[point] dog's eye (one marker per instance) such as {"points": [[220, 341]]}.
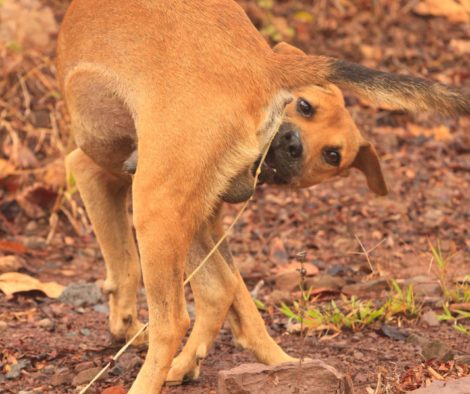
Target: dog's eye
{"points": [[332, 156], [304, 108]]}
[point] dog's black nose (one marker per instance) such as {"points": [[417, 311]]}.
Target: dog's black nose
{"points": [[291, 143]]}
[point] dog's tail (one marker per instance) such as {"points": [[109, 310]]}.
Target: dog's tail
{"points": [[397, 91]]}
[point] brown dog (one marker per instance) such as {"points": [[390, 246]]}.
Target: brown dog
{"points": [[198, 91]]}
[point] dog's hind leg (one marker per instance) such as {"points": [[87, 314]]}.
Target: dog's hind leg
{"points": [[104, 196], [219, 288]]}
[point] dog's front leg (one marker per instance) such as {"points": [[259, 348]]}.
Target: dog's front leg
{"points": [[214, 287]]}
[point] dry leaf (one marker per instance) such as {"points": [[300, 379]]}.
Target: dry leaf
{"points": [[26, 23], [453, 10], [10, 263], [460, 46], [14, 282], [439, 133]]}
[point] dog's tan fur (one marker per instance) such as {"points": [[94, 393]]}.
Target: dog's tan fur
{"points": [[195, 88]]}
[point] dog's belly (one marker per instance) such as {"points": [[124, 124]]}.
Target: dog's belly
{"points": [[102, 124]]}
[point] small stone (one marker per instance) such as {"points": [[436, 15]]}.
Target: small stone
{"points": [[61, 377], [277, 251], [325, 281], [31, 227], [84, 365], [395, 333], [287, 280], [81, 294], [277, 297], [85, 332], [86, 376], [437, 350], [459, 386], [3, 325], [336, 270], [130, 361], [423, 286], [117, 370], [46, 324], [463, 359], [114, 390], [101, 308], [372, 286], [430, 318], [246, 266], [317, 378]]}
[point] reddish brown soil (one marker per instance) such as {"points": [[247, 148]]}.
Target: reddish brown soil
{"points": [[428, 176]]}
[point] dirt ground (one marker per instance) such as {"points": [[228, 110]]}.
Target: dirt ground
{"points": [[45, 343]]}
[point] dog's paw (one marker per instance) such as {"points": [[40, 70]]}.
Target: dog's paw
{"points": [[183, 370]]}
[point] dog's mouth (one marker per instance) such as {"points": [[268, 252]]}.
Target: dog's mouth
{"points": [[270, 174], [285, 157]]}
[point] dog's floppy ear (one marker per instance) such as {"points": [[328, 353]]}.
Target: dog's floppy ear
{"points": [[368, 162], [288, 49]]}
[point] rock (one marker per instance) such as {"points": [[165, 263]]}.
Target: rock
{"points": [[277, 297], [84, 365], [287, 280], [85, 376], [336, 270], [459, 386], [423, 286], [3, 326], [130, 361], [437, 350], [81, 294], [463, 359], [325, 281], [430, 318], [246, 266], [277, 251], [46, 324], [101, 308], [417, 340], [10, 264], [85, 332], [317, 378], [61, 377], [395, 333], [373, 286], [114, 390]]}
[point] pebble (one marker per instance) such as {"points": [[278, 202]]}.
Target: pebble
{"points": [[86, 376], [366, 287], [287, 280], [430, 318], [46, 324], [85, 332], [61, 377], [328, 281], [81, 294], [278, 296], [101, 308]]}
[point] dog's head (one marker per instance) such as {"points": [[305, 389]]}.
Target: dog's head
{"points": [[317, 140]]}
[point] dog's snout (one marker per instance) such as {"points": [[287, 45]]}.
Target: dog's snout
{"points": [[292, 143]]}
